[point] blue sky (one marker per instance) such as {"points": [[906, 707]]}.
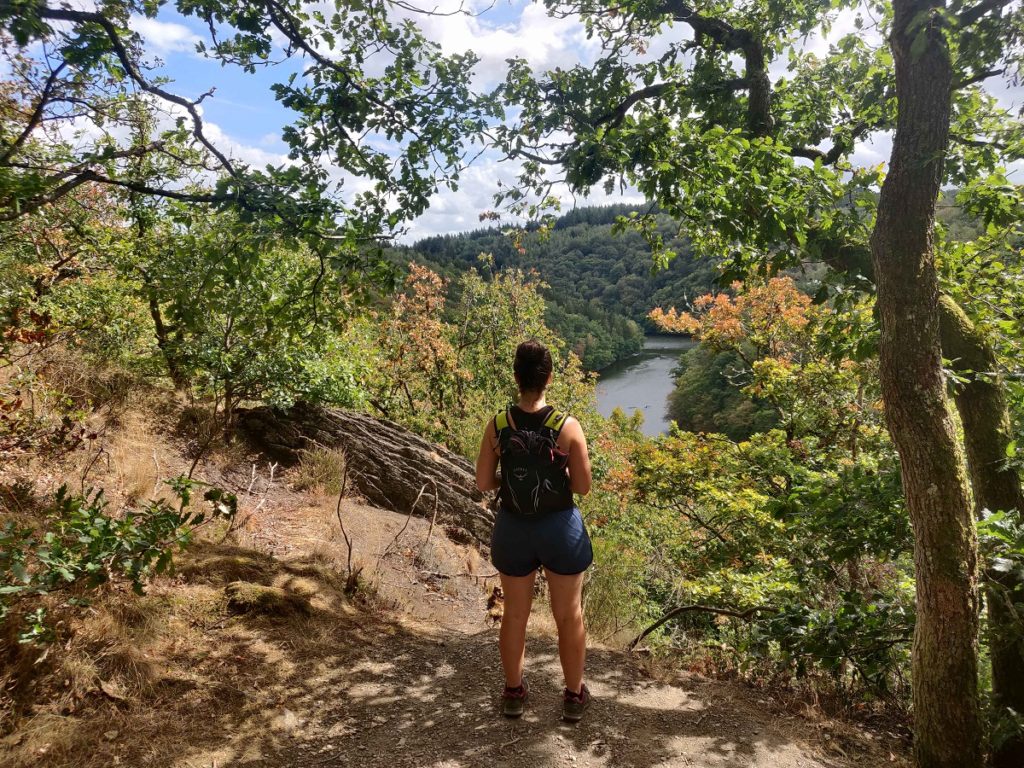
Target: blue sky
{"points": [[244, 118]]}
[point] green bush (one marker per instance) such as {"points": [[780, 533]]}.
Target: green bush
{"points": [[81, 546]]}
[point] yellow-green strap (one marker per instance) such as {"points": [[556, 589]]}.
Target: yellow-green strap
{"points": [[556, 420], [501, 421]]}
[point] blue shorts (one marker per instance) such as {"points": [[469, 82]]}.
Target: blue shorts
{"points": [[558, 541]]}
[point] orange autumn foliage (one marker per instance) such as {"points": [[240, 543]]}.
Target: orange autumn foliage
{"points": [[770, 316]]}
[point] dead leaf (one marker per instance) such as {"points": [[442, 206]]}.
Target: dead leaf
{"points": [[112, 690]]}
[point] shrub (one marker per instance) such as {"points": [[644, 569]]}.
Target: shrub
{"points": [[81, 546]]}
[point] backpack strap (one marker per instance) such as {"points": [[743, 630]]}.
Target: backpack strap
{"points": [[555, 421], [501, 421]]}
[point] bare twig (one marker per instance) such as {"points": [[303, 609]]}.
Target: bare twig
{"points": [[412, 510], [351, 576], [159, 473], [433, 518], [239, 522], [88, 467], [37, 114], [745, 615]]}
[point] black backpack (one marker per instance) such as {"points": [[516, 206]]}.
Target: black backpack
{"points": [[534, 474]]}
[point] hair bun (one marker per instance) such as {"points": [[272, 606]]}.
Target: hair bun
{"points": [[532, 366]]}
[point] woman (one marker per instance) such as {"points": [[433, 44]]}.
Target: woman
{"points": [[538, 525]]}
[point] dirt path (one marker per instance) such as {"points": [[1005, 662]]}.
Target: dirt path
{"points": [[407, 682], [415, 699], [419, 689]]}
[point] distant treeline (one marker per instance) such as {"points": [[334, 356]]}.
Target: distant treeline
{"points": [[600, 285]]}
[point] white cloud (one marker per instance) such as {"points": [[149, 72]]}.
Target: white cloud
{"points": [[270, 139], [875, 149], [257, 157], [459, 210], [543, 41], [164, 37]]}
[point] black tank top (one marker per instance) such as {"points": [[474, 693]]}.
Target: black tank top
{"points": [[534, 420], [530, 419]]}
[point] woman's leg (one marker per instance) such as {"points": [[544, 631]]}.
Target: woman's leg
{"points": [[518, 592], [567, 608]]}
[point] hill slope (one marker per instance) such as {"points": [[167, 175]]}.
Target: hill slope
{"points": [[601, 285], [404, 672]]}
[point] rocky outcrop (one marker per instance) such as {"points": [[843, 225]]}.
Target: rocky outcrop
{"points": [[386, 463]]}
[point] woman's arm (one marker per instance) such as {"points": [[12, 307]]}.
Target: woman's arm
{"points": [[487, 461], [579, 457]]}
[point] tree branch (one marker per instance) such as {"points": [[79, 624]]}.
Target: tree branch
{"points": [[734, 39], [89, 175], [978, 77], [86, 17], [533, 156], [614, 117], [288, 27], [37, 114], [974, 13], [838, 149], [977, 143], [14, 212], [736, 614]]}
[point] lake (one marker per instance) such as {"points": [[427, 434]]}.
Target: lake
{"points": [[643, 382]]}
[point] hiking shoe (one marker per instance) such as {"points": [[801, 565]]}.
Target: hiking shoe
{"points": [[513, 700], [575, 704]]}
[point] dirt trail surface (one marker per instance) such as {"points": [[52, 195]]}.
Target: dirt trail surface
{"points": [[412, 700], [407, 680], [423, 692]]}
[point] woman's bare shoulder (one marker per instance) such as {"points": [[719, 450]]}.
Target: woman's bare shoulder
{"points": [[572, 428], [572, 420]]}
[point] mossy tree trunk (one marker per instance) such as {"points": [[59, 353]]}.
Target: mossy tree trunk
{"points": [[986, 423], [948, 729]]}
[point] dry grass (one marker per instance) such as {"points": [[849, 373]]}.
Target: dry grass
{"points": [[199, 423], [321, 470], [88, 384], [136, 462], [134, 676]]}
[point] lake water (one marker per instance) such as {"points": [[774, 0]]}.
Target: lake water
{"points": [[643, 382]]}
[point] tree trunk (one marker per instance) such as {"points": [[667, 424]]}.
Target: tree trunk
{"points": [[165, 344], [986, 423], [947, 729]]}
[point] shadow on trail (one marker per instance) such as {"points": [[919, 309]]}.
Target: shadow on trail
{"points": [[434, 704], [344, 687], [353, 690]]}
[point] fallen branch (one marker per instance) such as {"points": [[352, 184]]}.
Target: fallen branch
{"points": [[745, 615]]}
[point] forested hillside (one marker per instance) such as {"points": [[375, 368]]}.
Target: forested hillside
{"points": [[600, 284]]}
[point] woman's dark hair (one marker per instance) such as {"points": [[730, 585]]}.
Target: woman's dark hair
{"points": [[532, 365]]}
